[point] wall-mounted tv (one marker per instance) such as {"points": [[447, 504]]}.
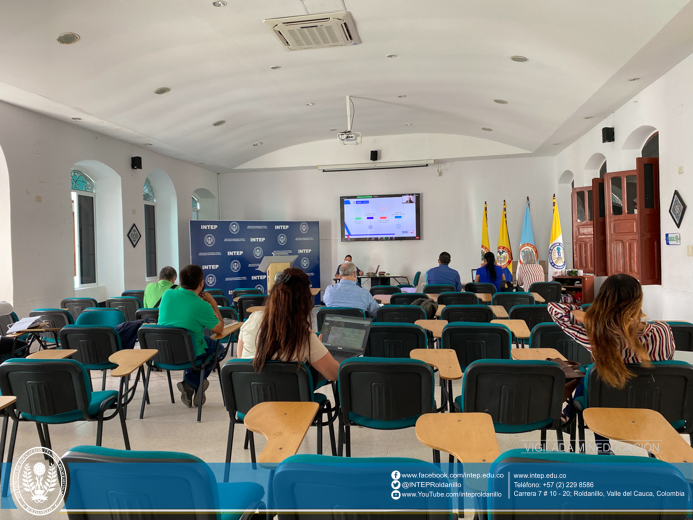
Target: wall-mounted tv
{"points": [[381, 217]]}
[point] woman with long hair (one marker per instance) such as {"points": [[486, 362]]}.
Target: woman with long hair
{"points": [[282, 331], [489, 272]]}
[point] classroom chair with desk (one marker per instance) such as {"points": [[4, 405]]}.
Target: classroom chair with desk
{"points": [[101, 316], [220, 299], [532, 315], [474, 341], [128, 305], [394, 340], [337, 311], [438, 288], [150, 314], [481, 288], [56, 319], [550, 291], [467, 313], [242, 291], [683, 335], [94, 345], [406, 298], [508, 300], [215, 292], [76, 306], [134, 292], [249, 300], [400, 314], [384, 289], [457, 298], [550, 335]]}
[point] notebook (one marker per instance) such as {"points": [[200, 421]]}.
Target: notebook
{"points": [[229, 321], [345, 336]]}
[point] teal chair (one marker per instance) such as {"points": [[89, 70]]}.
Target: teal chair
{"points": [[94, 345], [414, 284], [339, 311], [56, 319], [101, 316], [128, 305], [153, 483], [551, 335], [683, 335], [76, 306], [383, 394], [520, 396]]}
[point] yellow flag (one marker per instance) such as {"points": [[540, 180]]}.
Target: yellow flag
{"points": [[556, 250], [485, 248], [504, 257]]}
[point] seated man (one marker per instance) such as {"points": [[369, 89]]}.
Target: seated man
{"points": [[347, 294], [347, 258], [192, 309], [443, 274], [155, 290]]}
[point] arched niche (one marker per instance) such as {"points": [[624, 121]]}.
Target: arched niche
{"points": [[108, 209], [566, 177], [595, 162], [208, 204], [166, 219], [6, 280], [638, 137]]}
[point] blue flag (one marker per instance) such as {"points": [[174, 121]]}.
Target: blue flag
{"points": [[528, 249]]}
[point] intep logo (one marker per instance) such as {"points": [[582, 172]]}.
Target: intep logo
{"points": [[211, 280], [234, 227], [209, 240], [235, 266], [282, 239]]}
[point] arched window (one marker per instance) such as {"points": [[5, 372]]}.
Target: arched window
{"points": [[149, 228], [195, 208], [83, 226], [602, 170], [651, 147]]}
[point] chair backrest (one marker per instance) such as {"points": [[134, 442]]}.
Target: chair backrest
{"points": [[128, 305], [136, 293], [665, 386], [243, 387], [175, 344], [477, 287], [94, 343], [46, 387], [474, 341], [77, 305], [683, 335], [222, 301], [532, 314], [386, 390], [515, 393], [416, 278], [101, 316], [550, 291], [250, 300], [339, 311], [468, 313], [394, 340], [56, 318], [385, 289], [145, 481], [510, 299], [152, 314], [5, 321], [457, 298], [400, 313], [228, 312], [405, 298], [631, 472], [438, 288], [217, 292], [550, 335], [245, 290]]}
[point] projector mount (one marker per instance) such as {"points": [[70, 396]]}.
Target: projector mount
{"points": [[349, 137]]}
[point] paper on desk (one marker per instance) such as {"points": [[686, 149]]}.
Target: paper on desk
{"points": [[24, 323]]}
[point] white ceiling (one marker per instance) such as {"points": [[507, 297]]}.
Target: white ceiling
{"points": [[454, 60]]}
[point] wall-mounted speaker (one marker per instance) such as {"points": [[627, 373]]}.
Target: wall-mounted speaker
{"points": [[608, 134], [136, 163], [374, 155]]}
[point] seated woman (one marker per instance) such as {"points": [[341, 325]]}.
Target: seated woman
{"points": [[489, 272], [282, 331], [612, 331]]}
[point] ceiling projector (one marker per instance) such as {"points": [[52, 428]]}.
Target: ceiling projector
{"points": [[349, 137]]}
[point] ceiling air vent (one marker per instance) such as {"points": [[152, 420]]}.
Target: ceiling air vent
{"points": [[315, 31]]}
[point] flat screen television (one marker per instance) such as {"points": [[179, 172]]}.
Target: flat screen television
{"points": [[381, 217]]}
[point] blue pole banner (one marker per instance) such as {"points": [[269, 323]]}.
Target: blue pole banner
{"points": [[230, 251]]}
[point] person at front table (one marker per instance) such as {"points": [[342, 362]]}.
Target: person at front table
{"points": [[188, 307], [282, 330], [347, 294], [443, 274], [347, 258], [490, 272]]}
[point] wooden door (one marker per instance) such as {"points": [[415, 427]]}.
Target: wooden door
{"points": [[583, 229], [622, 224], [649, 217], [599, 221]]}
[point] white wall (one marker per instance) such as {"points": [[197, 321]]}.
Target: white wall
{"points": [[663, 106], [39, 152], [451, 214]]}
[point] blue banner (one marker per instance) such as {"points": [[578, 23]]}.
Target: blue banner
{"points": [[230, 252]]}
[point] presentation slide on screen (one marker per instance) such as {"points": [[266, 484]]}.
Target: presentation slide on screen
{"points": [[381, 217]]}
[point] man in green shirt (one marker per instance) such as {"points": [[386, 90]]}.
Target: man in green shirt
{"points": [[155, 290], [192, 309]]}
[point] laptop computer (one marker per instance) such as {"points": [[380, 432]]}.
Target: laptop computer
{"points": [[345, 336], [473, 275]]}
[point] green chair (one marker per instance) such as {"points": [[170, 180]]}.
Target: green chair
{"points": [[101, 316]]}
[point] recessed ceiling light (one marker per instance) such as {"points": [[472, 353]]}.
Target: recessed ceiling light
{"points": [[487, 129], [392, 56], [146, 144], [333, 129], [519, 59], [402, 96], [200, 163], [557, 144], [407, 124], [500, 101], [634, 79], [68, 38], [219, 123], [276, 67], [310, 104], [219, 3], [162, 90], [588, 117], [259, 143], [76, 118]]}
